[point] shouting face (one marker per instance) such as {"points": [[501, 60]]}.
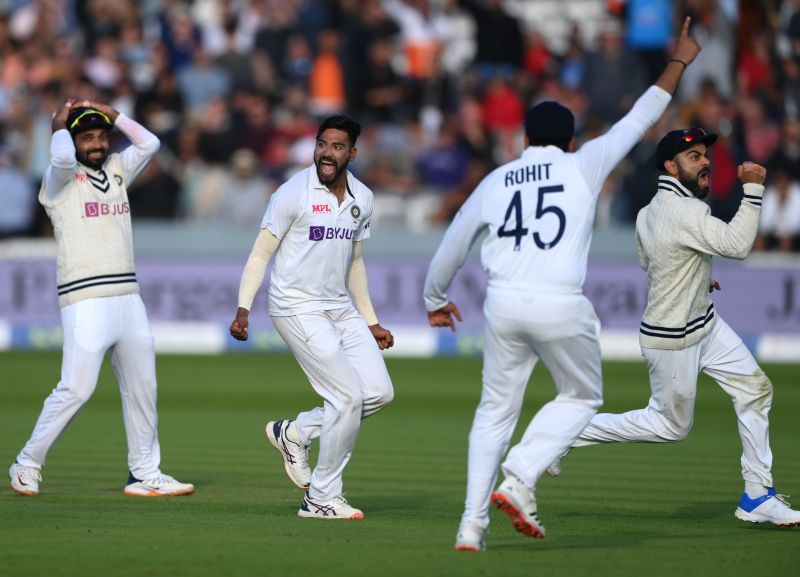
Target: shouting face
{"points": [[91, 147], [332, 155], [693, 170]]}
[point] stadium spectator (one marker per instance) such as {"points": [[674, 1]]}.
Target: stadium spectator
{"points": [[779, 227], [17, 199]]}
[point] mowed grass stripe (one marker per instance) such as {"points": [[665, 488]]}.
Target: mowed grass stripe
{"points": [[616, 510]]}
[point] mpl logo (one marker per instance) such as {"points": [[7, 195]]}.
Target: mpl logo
{"points": [[81, 177], [320, 209]]}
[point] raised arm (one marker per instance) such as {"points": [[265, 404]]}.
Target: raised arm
{"points": [[598, 157], [62, 154]]}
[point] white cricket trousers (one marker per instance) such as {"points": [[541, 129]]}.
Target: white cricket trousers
{"points": [[521, 328], [668, 417], [344, 365], [91, 327]]}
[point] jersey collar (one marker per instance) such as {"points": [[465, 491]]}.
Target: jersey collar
{"points": [[313, 181], [670, 184]]}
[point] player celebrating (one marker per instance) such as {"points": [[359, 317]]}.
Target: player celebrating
{"points": [[84, 192], [314, 224], [682, 334], [538, 213]]}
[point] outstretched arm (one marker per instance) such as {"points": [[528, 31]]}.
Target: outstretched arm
{"points": [[253, 275]]}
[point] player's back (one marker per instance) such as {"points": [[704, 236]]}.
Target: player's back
{"points": [[539, 212]]}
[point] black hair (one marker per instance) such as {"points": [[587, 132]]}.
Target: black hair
{"points": [[343, 123]]}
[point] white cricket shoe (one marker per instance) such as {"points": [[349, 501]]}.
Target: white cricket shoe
{"points": [[25, 480], [471, 537], [518, 502], [159, 486], [554, 470], [771, 508], [283, 436], [336, 508]]}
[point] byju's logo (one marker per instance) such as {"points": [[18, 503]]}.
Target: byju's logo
{"points": [[93, 209], [316, 233]]}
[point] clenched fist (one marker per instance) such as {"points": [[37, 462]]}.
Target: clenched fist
{"points": [[752, 172]]}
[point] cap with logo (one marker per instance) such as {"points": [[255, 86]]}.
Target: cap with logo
{"points": [[82, 119], [677, 141]]}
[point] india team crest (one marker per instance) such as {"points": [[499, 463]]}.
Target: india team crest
{"points": [[355, 211]]}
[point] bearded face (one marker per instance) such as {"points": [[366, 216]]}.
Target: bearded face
{"points": [[694, 170], [91, 147], [332, 154]]}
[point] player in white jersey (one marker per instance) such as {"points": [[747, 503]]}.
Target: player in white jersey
{"points": [[315, 224], [681, 333], [84, 192], [537, 214]]}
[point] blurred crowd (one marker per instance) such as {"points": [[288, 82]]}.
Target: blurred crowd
{"points": [[235, 90]]}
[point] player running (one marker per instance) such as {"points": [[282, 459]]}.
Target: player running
{"points": [[84, 192], [314, 225], [681, 332], [538, 214]]}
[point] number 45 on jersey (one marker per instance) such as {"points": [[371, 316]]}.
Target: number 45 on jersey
{"points": [[514, 211]]}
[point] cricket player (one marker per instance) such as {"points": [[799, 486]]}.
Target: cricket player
{"points": [[681, 332], [84, 192], [314, 225], [537, 214]]}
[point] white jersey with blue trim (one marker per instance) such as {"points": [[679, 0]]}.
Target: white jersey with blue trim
{"points": [[316, 242], [538, 212]]}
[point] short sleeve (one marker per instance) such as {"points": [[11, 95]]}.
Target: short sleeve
{"points": [[364, 227], [281, 212]]}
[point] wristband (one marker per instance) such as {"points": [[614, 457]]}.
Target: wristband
{"points": [[679, 61]]}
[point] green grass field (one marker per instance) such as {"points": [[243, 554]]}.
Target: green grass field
{"points": [[623, 510]]}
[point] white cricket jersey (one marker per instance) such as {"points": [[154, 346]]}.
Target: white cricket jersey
{"points": [[538, 212], [317, 234], [91, 215], [675, 239]]}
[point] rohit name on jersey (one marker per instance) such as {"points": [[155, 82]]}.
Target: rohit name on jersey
{"points": [[93, 209], [530, 173]]}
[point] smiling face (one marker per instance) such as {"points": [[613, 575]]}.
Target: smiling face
{"points": [[91, 147], [693, 169], [332, 154]]}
